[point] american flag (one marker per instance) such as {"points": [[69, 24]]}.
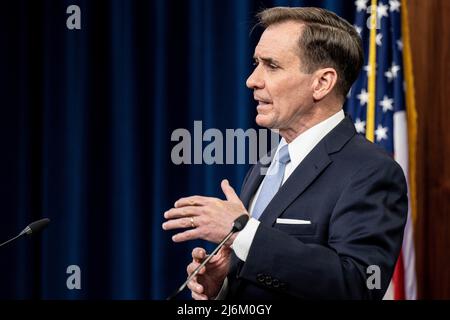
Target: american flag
{"points": [[386, 124]]}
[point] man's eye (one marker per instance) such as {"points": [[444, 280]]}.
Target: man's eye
{"points": [[272, 66], [255, 63]]}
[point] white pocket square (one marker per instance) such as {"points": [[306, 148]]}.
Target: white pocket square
{"points": [[292, 221]]}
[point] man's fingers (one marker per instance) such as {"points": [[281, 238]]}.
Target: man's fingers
{"points": [[188, 211], [191, 234], [192, 266], [191, 201], [202, 271], [198, 253], [181, 223], [195, 286], [196, 290], [229, 192], [215, 258], [197, 296]]}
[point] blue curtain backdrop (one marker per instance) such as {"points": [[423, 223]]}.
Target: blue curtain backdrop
{"points": [[86, 120]]}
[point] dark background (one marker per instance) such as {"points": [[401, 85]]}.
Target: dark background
{"points": [[85, 126]]}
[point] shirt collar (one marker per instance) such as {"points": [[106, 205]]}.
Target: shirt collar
{"points": [[305, 142]]}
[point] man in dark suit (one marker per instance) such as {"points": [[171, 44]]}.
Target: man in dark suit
{"points": [[327, 218]]}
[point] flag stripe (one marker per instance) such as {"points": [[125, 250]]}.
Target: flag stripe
{"points": [[398, 279], [404, 276]]}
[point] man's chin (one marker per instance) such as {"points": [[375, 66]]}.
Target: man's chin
{"points": [[264, 121]]}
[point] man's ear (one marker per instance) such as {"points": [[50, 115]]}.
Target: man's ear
{"points": [[324, 82]]}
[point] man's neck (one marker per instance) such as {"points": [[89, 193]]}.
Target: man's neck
{"points": [[291, 133]]}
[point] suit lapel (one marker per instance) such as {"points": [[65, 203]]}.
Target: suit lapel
{"points": [[307, 171]]}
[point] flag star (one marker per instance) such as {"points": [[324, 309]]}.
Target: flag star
{"points": [[400, 45], [388, 74], [392, 72], [360, 126], [386, 103], [378, 39], [368, 69], [358, 29], [381, 133], [382, 11], [394, 5], [363, 97], [395, 69], [361, 5]]}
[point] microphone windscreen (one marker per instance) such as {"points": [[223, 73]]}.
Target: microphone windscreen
{"points": [[240, 223], [39, 225]]}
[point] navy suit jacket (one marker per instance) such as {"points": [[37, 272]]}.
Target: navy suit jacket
{"points": [[355, 196]]}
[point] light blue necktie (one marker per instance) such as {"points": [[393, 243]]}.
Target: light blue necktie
{"points": [[272, 181]]}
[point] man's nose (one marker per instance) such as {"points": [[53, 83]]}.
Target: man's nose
{"points": [[255, 80]]}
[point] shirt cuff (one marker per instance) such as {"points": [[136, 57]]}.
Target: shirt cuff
{"points": [[241, 245]]}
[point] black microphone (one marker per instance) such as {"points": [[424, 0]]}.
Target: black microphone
{"points": [[238, 225], [32, 228]]}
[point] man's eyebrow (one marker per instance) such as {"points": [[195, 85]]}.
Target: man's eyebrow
{"points": [[267, 60]]}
